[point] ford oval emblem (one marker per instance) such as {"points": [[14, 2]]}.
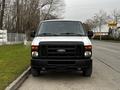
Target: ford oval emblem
{"points": [[61, 50]]}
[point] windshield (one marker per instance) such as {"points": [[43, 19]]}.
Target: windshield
{"points": [[59, 28]]}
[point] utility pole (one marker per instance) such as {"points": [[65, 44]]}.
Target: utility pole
{"points": [[18, 19], [100, 24], [2, 14]]}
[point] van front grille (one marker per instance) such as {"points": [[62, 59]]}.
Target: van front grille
{"points": [[61, 50]]}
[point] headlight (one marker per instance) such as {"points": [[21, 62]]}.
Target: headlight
{"points": [[88, 53], [34, 54], [34, 50]]}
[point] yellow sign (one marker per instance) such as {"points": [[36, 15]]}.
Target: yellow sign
{"points": [[112, 24]]}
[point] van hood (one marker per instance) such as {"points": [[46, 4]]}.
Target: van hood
{"points": [[83, 39]]}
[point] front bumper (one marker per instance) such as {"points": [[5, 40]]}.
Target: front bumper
{"points": [[52, 64]]}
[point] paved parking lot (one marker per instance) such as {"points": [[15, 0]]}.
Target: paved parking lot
{"points": [[106, 73]]}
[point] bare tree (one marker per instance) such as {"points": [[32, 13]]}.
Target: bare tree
{"points": [[99, 19], [23, 16], [52, 7], [2, 13], [90, 24], [116, 15]]}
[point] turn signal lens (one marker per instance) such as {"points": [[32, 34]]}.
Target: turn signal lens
{"points": [[88, 47], [34, 48]]}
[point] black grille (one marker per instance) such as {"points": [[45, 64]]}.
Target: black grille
{"points": [[61, 62], [66, 50]]}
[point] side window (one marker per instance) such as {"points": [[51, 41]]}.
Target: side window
{"points": [[84, 28], [38, 29]]}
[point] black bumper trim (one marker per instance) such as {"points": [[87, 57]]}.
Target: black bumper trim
{"points": [[40, 63]]}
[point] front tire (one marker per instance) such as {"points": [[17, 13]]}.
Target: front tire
{"points": [[88, 71], [35, 72]]}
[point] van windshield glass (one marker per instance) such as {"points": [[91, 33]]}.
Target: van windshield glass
{"points": [[59, 28]]}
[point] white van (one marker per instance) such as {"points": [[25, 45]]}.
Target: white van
{"points": [[61, 45]]}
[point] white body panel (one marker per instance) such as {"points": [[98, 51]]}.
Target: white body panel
{"points": [[83, 39]]}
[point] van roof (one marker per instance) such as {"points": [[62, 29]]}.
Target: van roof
{"points": [[55, 20]]}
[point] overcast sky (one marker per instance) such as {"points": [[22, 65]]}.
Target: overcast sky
{"points": [[84, 9]]}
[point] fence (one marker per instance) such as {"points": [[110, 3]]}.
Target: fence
{"points": [[11, 38], [3, 36], [15, 37]]}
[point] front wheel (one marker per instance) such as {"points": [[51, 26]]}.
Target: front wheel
{"points": [[35, 72], [88, 71]]}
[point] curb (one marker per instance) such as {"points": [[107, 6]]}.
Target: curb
{"points": [[16, 84]]}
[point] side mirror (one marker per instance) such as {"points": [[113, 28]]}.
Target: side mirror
{"points": [[32, 34], [90, 34]]}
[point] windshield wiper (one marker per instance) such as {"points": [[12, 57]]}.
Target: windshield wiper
{"points": [[47, 34], [73, 34]]}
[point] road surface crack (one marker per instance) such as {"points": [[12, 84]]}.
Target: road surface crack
{"points": [[107, 65]]}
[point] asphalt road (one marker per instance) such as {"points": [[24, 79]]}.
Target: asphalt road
{"points": [[106, 73]]}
